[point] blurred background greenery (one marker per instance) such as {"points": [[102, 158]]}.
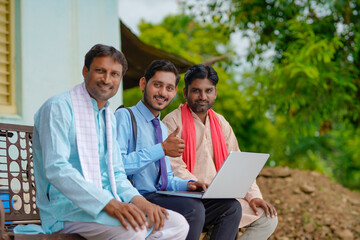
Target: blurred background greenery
{"points": [[297, 95]]}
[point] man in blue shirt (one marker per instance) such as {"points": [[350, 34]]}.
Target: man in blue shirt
{"points": [[80, 179], [148, 165]]}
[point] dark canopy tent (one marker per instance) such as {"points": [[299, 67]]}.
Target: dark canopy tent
{"points": [[139, 55]]}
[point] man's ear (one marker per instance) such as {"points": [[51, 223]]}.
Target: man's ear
{"points": [[185, 93], [142, 83], [85, 71]]}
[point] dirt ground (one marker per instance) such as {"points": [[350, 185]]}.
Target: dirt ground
{"points": [[310, 205]]}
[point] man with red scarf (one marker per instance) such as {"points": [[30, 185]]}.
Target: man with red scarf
{"points": [[208, 138]]}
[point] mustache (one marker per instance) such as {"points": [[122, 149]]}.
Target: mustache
{"points": [[202, 101], [100, 84], [160, 96]]}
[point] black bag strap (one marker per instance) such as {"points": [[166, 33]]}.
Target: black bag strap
{"points": [[134, 126], [133, 123]]}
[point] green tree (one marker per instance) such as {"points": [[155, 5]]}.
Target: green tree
{"points": [[198, 41], [315, 47], [311, 88]]}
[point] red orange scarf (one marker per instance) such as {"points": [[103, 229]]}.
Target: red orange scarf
{"points": [[189, 136]]}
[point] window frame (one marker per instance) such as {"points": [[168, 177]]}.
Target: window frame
{"points": [[9, 107]]}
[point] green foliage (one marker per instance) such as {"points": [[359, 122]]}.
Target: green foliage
{"points": [[303, 107], [190, 39], [132, 96], [184, 36], [311, 90]]}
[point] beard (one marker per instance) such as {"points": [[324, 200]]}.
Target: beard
{"points": [[98, 93], [150, 101], [200, 106]]}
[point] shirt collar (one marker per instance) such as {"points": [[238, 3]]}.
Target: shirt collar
{"points": [[147, 114], [95, 106]]}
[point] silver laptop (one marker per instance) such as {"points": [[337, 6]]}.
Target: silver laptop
{"points": [[234, 178]]}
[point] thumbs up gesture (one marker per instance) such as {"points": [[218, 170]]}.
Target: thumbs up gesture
{"points": [[173, 146]]}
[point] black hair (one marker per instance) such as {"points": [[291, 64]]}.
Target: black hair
{"points": [[200, 71], [100, 50], [161, 65]]}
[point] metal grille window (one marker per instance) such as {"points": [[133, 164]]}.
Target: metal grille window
{"points": [[7, 57]]}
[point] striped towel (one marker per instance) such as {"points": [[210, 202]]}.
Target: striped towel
{"points": [[86, 138]]}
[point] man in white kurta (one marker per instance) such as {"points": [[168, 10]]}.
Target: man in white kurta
{"points": [[200, 93]]}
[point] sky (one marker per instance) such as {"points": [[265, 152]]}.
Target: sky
{"points": [[132, 11]]}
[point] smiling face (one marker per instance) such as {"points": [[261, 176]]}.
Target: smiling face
{"points": [[103, 78], [158, 91], [200, 96]]}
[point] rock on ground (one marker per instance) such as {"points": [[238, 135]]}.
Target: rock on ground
{"points": [[310, 205]]}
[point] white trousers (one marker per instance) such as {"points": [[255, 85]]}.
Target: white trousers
{"points": [[261, 229], [175, 228]]}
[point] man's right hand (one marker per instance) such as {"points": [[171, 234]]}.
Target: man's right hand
{"points": [[173, 146], [126, 213], [156, 215], [197, 186]]}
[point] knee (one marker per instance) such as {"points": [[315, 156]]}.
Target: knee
{"points": [[268, 224], [178, 221], [271, 224], [235, 207], [198, 211], [184, 226]]}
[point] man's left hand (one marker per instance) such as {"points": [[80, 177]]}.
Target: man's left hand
{"points": [[156, 215], [268, 208]]}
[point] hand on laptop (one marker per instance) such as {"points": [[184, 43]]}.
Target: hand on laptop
{"points": [[197, 186]]}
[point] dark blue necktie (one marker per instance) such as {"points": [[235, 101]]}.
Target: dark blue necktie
{"points": [[162, 171]]}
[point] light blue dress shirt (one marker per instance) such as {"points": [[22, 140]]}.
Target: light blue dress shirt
{"points": [[62, 192], [142, 165]]}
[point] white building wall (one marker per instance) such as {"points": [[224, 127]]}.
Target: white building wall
{"points": [[54, 38]]}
